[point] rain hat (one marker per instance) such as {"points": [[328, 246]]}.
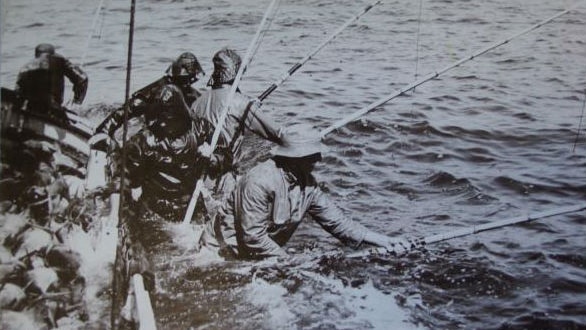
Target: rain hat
{"points": [[226, 65], [44, 49], [298, 141], [186, 65]]}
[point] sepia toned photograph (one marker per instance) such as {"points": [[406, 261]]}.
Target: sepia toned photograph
{"points": [[292, 164]]}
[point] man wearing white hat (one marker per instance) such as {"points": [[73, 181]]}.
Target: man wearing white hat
{"points": [[270, 201]]}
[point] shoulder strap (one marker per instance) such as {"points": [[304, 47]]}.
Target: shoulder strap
{"points": [[241, 125]]}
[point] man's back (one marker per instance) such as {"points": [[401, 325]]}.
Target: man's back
{"points": [[41, 82]]}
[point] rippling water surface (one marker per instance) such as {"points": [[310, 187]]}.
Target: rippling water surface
{"points": [[492, 139]]}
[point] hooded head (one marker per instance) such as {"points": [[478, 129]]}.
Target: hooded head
{"points": [[226, 65], [185, 70], [168, 116]]}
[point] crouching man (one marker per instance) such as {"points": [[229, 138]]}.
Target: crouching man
{"points": [[270, 201]]}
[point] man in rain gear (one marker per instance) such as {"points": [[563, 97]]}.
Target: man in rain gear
{"points": [[244, 114], [182, 73], [270, 201], [40, 84], [161, 157]]}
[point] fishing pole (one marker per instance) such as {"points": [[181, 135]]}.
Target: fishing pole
{"points": [[344, 121], [409, 245], [247, 58], [115, 284]]}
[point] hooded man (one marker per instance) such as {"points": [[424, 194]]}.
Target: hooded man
{"points": [[182, 73], [244, 114], [271, 200], [161, 157], [40, 84]]}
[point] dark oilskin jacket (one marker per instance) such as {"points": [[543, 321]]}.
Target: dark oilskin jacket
{"points": [[141, 102], [41, 83], [162, 157]]}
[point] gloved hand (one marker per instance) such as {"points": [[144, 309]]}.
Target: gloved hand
{"points": [[100, 141], [136, 193], [75, 107], [255, 105], [205, 150], [398, 245]]}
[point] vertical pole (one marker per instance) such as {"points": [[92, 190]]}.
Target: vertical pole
{"points": [[121, 224]]}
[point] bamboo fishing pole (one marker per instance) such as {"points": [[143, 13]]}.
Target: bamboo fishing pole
{"points": [[344, 121], [420, 242], [247, 58]]}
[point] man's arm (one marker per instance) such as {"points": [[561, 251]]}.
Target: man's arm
{"points": [[78, 78], [332, 219]]}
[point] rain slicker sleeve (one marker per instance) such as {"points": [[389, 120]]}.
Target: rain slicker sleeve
{"points": [[138, 103], [78, 78], [334, 221]]}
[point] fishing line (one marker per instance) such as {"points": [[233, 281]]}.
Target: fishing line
{"points": [[416, 63], [580, 123], [270, 21], [357, 114], [91, 34], [286, 75], [417, 41]]}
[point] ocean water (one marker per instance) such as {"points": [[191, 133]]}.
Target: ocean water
{"points": [[498, 137]]}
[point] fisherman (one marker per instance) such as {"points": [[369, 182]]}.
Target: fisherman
{"points": [[182, 73], [40, 83], [161, 157], [244, 113], [270, 201]]}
